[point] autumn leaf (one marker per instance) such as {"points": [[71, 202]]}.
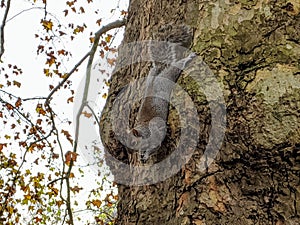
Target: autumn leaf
{"points": [[40, 49], [47, 24], [39, 121], [7, 136], [16, 83], [67, 135], [51, 60], [97, 203], [86, 114], [104, 96], [99, 22], [124, 13], [38, 220], [54, 191], [78, 29], [76, 189], [70, 4], [18, 103], [108, 38], [40, 110], [47, 73], [2, 146], [9, 106], [107, 83], [59, 203], [102, 54], [81, 10], [111, 61], [61, 52], [71, 99], [55, 156], [70, 156]]}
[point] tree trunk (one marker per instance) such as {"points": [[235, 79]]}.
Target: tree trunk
{"points": [[253, 49]]}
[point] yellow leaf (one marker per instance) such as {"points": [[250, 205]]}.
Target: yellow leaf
{"points": [[47, 24], [96, 203], [40, 110], [28, 197], [51, 60], [7, 136], [16, 83], [59, 203], [108, 38]]}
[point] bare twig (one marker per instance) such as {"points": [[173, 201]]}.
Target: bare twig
{"points": [[2, 28], [23, 99], [48, 99], [91, 54], [23, 11]]}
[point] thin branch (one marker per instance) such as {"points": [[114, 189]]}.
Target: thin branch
{"points": [[2, 28], [90, 54], [33, 98], [23, 99], [48, 99], [94, 114], [54, 181], [23, 11]]}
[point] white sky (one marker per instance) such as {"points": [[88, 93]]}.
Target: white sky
{"points": [[21, 47]]}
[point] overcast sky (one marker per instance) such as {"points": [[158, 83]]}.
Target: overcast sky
{"points": [[21, 47]]}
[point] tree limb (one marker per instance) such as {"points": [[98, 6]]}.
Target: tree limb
{"points": [[2, 28], [90, 54]]}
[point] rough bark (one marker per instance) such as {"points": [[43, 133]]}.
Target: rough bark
{"points": [[253, 49]]}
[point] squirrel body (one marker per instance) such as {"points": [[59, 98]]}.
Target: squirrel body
{"points": [[168, 63]]}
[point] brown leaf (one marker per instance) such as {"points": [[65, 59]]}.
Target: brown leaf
{"points": [[96, 202], [2, 146], [18, 103], [71, 99], [70, 157], [68, 136], [99, 21], [16, 83], [9, 106], [82, 10], [86, 114], [76, 189], [111, 61]]}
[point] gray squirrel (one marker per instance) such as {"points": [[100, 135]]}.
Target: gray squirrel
{"points": [[168, 61]]}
